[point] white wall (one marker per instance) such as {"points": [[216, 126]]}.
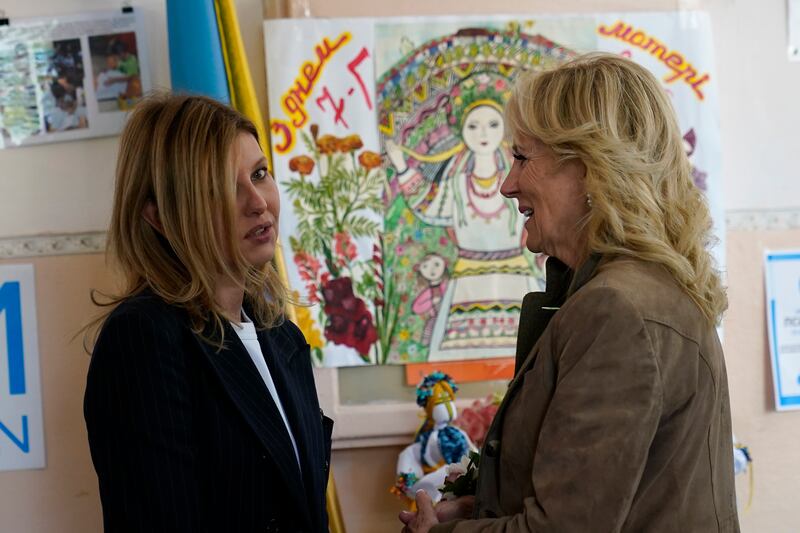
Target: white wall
{"points": [[759, 104]]}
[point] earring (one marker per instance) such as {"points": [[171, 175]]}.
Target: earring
{"points": [[589, 199]]}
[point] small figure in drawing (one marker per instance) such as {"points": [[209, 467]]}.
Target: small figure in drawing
{"points": [[433, 272]]}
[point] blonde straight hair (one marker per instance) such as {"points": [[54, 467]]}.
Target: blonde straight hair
{"points": [[177, 152], [614, 116]]}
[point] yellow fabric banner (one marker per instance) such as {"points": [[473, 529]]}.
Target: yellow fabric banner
{"points": [[240, 82], [243, 97]]}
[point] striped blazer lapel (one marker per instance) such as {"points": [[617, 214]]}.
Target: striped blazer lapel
{"points": [[297, 390], [246, 388]]}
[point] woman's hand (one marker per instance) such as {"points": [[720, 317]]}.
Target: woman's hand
{"points": [[395, 155], [459, 508], [428, 516], [424, 519]]}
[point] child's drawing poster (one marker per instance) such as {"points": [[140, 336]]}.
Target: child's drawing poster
{"points": [[69, 77], [389, 148]]}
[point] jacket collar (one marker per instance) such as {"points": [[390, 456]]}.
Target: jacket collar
{"points": [[539, 307], [584, 273]]}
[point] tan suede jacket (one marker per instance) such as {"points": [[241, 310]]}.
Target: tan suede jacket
{"points": [[618, 417]]}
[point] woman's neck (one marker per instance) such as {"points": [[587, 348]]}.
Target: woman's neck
{"points": [[229, 295], [485, 165]]}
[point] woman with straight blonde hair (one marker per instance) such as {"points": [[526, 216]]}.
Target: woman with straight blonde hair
{"points": [[200, 401], [618, 417]]}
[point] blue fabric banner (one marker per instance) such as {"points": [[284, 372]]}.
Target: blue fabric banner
{"points": [[195, 54]]}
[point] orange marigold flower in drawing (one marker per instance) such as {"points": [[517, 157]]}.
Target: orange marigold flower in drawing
{"points": [[351, 143], [369, 160], [328, 144], [302, 164]]}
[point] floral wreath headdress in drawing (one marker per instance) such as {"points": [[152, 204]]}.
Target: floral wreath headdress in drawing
{"points": [[483, 88]]}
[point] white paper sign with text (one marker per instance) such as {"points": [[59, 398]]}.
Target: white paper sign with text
{"points": [[782, 271], [21, 426]]}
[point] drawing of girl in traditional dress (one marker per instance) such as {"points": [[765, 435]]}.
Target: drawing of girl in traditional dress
{"points": [[433, 271], [479, 311]]}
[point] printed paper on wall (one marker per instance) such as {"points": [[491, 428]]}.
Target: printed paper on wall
{"points": [[66, 78]]}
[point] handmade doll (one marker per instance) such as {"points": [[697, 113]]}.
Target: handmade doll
{"points": [[423, 464]]}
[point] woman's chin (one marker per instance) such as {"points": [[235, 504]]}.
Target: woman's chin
{"points": [[258, 259], [533, 246]]}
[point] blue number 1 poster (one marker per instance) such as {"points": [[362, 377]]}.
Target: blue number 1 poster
{"points": [[21, 433]]}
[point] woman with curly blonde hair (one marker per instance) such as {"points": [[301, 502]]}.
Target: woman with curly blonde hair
{"points": [[618, 417], [200, 402]]}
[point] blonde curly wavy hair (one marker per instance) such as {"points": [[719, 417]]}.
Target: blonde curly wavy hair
{"points": [[613, 115]]}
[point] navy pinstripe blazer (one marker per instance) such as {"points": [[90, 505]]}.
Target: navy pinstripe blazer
{"points": [[185, 438]]}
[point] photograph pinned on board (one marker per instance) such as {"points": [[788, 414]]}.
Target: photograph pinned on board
{"points": [[53, 71], [115, 63], [60, 75], [19, 111], [57, 72]]}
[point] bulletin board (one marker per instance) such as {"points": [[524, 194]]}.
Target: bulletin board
{"points": [[70, 77]]}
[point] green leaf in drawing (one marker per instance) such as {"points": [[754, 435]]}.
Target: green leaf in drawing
{"points": [[294, 244], [311, 146], [360, 226]]}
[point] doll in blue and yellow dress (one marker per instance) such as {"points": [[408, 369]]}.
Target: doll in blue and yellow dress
{"points": [[437, 443]]}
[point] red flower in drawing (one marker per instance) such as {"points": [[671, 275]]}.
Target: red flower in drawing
{"points": [[349, 320], [308, 267], [345, 249]]}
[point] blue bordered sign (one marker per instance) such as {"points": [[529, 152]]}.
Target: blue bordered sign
{"points": [[782, 270], [21, 433]]}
